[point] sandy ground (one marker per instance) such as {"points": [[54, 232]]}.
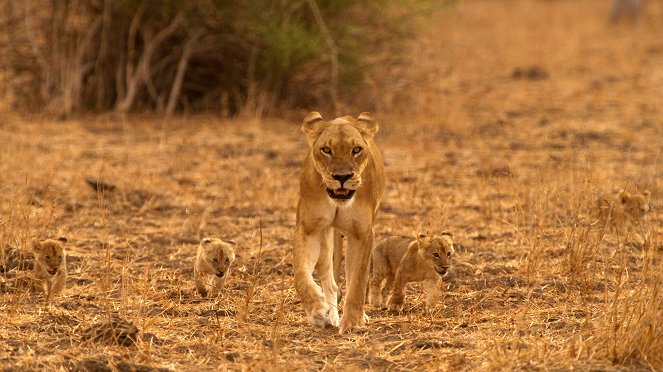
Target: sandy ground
{"points": [[508, 122]]}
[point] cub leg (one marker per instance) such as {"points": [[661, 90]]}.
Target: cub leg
{"points": [[432, 289], [200, 283], [395, 302], [380, 271]]}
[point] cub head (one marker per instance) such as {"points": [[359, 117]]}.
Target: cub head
{"points": [[219, 255], [635, 205], [437, 251], [340, 151], [49, 253]]}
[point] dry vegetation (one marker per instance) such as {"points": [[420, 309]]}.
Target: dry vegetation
{"points": [[515, 117]]}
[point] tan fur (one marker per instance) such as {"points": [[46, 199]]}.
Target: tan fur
{"points": [[213, 260], [50, 268], [622, 210], [341, 147], [400, 260]]}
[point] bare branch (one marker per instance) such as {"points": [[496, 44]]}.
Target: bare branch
{"points": [[142, 75], [36, 51], [333, 50], [181, 70]]}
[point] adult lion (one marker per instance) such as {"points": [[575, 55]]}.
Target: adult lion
{"points": [[341, 185]]}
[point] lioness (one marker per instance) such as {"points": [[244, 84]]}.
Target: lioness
{"points": [[213, 259], [50, 267], [341, 185], [622, 209], [401, 260]]}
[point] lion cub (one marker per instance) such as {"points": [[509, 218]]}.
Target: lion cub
{"points": [[50, 267], [401, 260], [214, 258], [622, 208]]}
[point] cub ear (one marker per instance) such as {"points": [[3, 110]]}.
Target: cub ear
{"points": [[205, 241], [36, 244], [647, 194], [232, 242], [309, 125], [367, 123], [62, 239], [625, 196], [447, 233]]}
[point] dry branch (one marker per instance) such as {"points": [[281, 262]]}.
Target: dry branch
{"points": [[333, 50]]}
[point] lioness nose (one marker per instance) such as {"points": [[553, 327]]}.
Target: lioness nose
{"points": [[342, 177]]}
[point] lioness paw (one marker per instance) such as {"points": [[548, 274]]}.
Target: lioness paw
{"points": [[395, 304], [352, 320], [334, 319], [319, 315]]}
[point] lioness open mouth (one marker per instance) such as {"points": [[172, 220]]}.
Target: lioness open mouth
{"points": [[340, 193]]}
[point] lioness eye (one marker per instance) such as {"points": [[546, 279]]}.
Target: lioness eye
{"points": [[356, 150], [436, 255], [326, 150]]}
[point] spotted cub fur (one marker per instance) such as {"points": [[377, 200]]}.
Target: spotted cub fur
{"points": [[213, 260], [400, 260], [50, 267]]}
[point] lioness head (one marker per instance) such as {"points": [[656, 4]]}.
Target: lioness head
{"points": [[340, 151], [49, 254], [218, 255], [635, 205], [437, 251]]}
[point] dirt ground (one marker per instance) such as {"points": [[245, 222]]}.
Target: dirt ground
{"points": [[504, 127]]}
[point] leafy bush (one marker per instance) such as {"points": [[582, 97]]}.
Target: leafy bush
{"points": [[170, 55]]}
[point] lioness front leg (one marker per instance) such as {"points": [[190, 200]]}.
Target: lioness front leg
{"points": [[327, 278], [306, 250], [357, 255], [338, 261]]}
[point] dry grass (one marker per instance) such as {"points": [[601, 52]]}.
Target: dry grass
{"points": [[512, 165]]}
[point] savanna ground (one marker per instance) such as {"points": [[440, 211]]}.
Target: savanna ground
{"points": [[508, 122]]}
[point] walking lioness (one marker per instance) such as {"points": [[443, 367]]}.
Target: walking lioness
{"points": [[341, 185]]}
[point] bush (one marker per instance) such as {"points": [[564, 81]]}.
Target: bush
{"points": [[169, 55]]}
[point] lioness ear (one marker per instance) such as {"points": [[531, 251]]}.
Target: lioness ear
{"points": [[647, 194], [205, 241], [367, 123], [62, 239], [449, 234], [309, 124]]}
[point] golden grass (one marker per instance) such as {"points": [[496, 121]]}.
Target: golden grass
{"points": [[511, 166]]}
